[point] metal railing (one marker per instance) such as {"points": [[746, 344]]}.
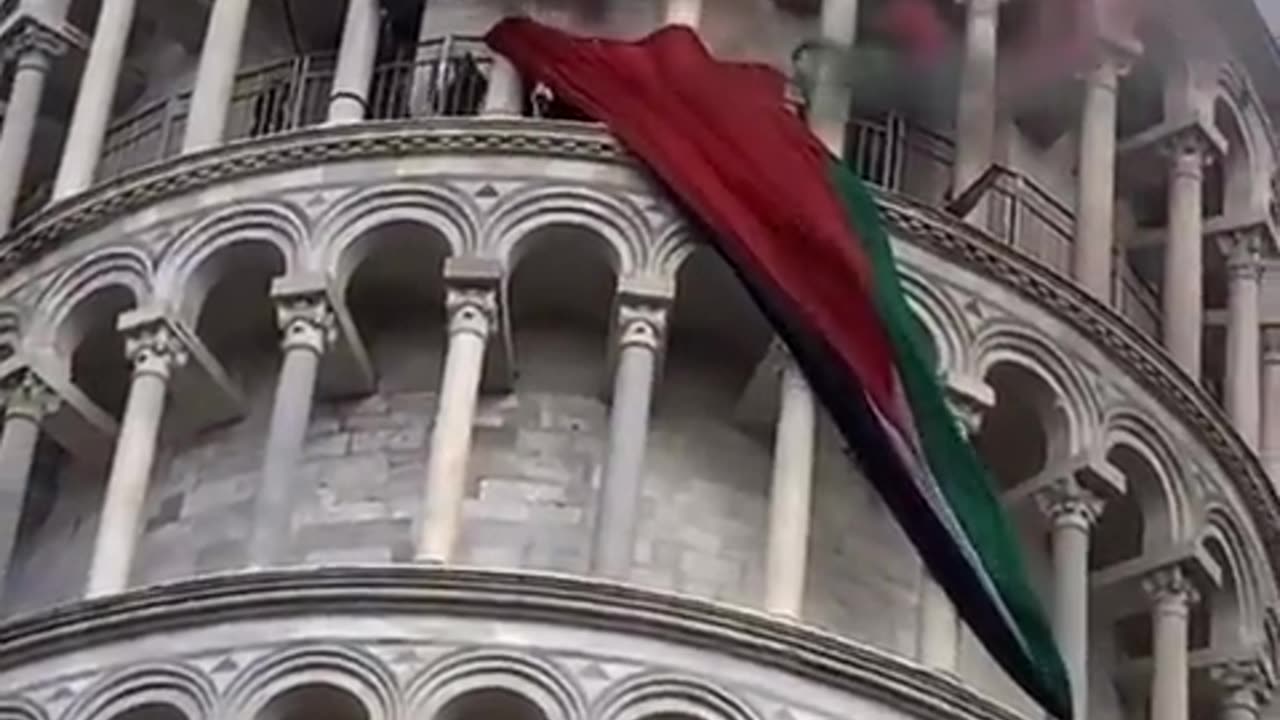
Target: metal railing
{"points": [[1019, 211], [444, 76]]}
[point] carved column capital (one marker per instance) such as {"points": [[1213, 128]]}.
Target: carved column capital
{"points": [[32, 42], [1243, 683], [642, 325], [1242, 248], [471, 310], [306, 320], [1170, 590], [1188, 152], [24, 394], [1066, 503], [154, 349]]}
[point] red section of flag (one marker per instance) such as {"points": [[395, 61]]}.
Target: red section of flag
{"points": [[916, 26], [771, 207]]}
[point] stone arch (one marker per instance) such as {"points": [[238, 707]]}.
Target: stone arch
{"points": [[942, 319], [448, 212], [456, 675], [189, 267], [617, 222], [20, 708], [63, 306], [1156, 493], [1236, 90], [349, 669], [660, 695], [673, 247], [1006, 342], [176, 685], [1236, 605], [1232, 179]]}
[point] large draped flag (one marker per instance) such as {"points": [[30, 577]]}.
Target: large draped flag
{"points": [[806, 239]]}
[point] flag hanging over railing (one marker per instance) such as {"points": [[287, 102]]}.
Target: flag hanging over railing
{"points": [[808, 243]]}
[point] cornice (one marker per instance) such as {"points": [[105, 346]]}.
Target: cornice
{"points": [[503, 596], [59, 223]]}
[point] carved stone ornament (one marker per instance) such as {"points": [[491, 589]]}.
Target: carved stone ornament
{"points": [[1066, 502], [642, 325], [154, 349], [25, 394], [31, 36], [472, 310], [1170, 590], [306, 321]]}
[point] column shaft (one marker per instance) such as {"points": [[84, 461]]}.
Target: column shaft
{"points": [[684, 12], [216, 74], [471, 320], [790, 503], [505, 96], [17, 452], [1072, 519], [1270, 435], [1172, 595], [1093, 243], [621, 490], [1244, 352], [830, 96], [83, 148], [121, 518], [19, 126], [307, 327], [356, 57], [976, 111], [1182, 293]]}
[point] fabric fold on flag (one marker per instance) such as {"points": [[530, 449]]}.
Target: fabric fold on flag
{"points": [[806, 239]]}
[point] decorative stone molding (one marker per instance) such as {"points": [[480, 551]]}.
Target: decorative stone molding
{"points": [[422, 591], [643, 325], [26, 36], [306, 321], [24, 393], [1170, 590], [154, 348], [1068, 503], [471, 310], [537, 680]]}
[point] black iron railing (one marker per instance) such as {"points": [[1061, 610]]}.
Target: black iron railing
{"points": [[444, 76], [897, 156]]}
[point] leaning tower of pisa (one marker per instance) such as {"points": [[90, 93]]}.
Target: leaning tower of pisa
{"points": [[340, 381]]}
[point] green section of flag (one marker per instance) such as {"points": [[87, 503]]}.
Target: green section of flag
{"points": [[952, 460]]}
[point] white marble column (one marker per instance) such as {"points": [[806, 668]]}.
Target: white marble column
{"points": [[641, 329], [216, 74], [31, 51], [1243, 689], [1093, 244], [83, 148], [349, 102], [790, 498], [155, 353], [831, 93], [1270, 441], [977, 102], [938, 637], [472, 314], [505, 96], [1244, 330], [1172, 594], [307, 329], [1182, 293], [27, 400], [684, 12], [1073, 511]]}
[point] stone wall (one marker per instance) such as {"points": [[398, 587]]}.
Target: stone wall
{"points": [[538, 460]]}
